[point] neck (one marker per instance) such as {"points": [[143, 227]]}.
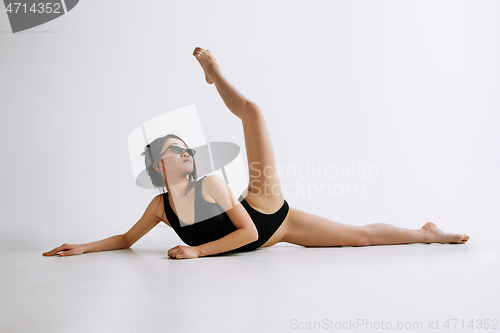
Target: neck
{"points": [[176, 186]]}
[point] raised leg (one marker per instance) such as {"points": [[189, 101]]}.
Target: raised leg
{"points": [[264, 189], [315, 231]]}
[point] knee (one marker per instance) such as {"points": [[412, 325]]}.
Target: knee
{"points": [[251, 106], [252, 109], [364, 237]]}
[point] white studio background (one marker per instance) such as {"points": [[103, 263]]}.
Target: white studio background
{"points": [[410, 87]]}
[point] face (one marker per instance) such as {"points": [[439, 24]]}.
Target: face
{"points": [[173, 161]]}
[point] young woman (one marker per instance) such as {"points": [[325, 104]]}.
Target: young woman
{"points": [[207, 216]]}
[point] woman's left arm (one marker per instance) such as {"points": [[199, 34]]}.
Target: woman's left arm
{"points": [[246, 231]]}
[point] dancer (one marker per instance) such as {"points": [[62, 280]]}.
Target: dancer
{"points": [[208, 217]]}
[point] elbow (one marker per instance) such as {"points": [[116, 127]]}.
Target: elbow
{"points": [[255, 235], [251, 235], [126, 242]]}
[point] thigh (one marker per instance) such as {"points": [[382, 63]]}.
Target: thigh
{"points": [[312, 230], [264, 189]]}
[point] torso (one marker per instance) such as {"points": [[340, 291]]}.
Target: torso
{"points": [[186, 209], [183, 206]]}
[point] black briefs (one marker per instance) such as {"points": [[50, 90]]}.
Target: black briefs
{"points": [[214, 223]]}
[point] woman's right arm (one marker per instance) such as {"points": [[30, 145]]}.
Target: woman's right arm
{"points": [[147, 222]]}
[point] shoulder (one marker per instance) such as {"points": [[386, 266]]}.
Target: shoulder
{"points": [[214, 183], [156, 205], [213, 186], [207, 186], [157, 199], [217, 189], [213, 180]]}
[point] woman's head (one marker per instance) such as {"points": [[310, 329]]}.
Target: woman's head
{"points": [[167, 157]]}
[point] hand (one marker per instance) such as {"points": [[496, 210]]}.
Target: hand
{"points": [[183, 252], [66, 250]]}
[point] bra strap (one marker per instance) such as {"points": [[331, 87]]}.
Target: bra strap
{"points": [[197, 189], [169, 212]]}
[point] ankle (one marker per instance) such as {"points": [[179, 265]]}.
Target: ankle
{"points": [[425, 236], [214, 72]]}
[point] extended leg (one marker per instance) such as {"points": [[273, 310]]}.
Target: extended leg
{"points": [[264, 186], [315, 231]]}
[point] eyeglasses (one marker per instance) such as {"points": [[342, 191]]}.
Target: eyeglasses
{"points": [[179, 150]]}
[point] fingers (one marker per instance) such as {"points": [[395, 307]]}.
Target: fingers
{"points": [[178, 255], [182, 252], [175, 252], [57, 249], [170, 252]]}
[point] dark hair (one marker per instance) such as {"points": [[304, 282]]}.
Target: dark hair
{"points": [[152, 153]]}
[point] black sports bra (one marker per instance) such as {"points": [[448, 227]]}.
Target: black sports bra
{"points": [[211, 221]]}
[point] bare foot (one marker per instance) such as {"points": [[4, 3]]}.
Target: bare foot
{"points": [[207, 62], [434, 235]]}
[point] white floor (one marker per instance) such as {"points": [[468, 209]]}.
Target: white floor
{"points": [[279, 289]]}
